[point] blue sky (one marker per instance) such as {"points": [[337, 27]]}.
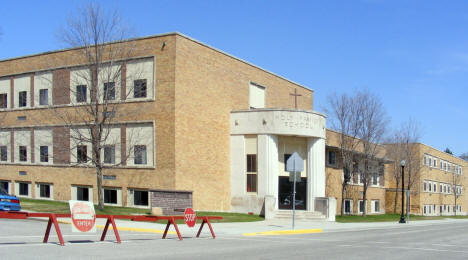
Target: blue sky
{"points": [[413, 54]]}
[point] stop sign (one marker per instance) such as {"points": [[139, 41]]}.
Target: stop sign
{"points": [[189, 217], [83, 216]]}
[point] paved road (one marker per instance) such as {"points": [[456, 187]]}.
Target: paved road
{"points": [[21, 239]]}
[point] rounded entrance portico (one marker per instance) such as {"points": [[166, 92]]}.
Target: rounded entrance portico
{"points": [[261, 141]]}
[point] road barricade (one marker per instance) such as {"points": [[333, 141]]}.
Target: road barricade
{"points": [[171, 220]]}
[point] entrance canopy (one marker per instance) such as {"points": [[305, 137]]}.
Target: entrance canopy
{"points": [[278, 122]]}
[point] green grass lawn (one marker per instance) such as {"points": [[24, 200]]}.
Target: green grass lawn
{"points": [[63, 207], [387, 218]]}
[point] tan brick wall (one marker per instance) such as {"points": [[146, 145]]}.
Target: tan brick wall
{"points": [[196, 88], [418, 196], [209, 85]]}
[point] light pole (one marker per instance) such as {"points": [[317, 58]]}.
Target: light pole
{"points": [[402, 218]]}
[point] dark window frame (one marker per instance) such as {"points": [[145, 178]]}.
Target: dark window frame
{"points": [[110, 195], [44, 190], [107, 149], [22, 99], [81, 93], [44, 153], [23, 153], [82, 153], [4, 100], [109, 91], [4, 153], [142, 199], [43, 96], [140, 155], [81, 195], [23, 189]]}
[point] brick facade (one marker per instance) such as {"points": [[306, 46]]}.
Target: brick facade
{"points": [[171, 202]]}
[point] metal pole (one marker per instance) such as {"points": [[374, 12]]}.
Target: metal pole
{"points": [[294, 198], [402, 218]]}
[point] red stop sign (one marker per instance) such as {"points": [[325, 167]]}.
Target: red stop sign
{"points": [[190, 217], [83, 217]]}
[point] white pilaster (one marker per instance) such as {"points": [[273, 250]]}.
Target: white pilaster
{"points": [[268, 166], [315, 170], [238, 180]]}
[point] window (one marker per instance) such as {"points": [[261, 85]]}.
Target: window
{"points": [[435, 163], [425, 160], [440, 209], [256, 96], [23, 156], [82, 193], [44, 190], [43, 97], [4, 100], [109, 154], [430, 186], [375, 179], [331, 157], [140, 154], [435, 187], [448, 188], [348, 206], [5, 186], [109, 91], [110, 196], [425, 186], [286, 157], [139, 88], [445, 188], [251, 173], [22, 98], [424, 209], [44, 153], [81, 93], [251, 182], [81, 154], [3, 153], [440, 188], [23, 189], [376, 206], [140, 198], [361, 206], [430, 161]]}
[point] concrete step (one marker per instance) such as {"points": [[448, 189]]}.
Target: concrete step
{"points": [[300, 215]]}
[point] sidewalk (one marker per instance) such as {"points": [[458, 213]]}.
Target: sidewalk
{"points": [[260, 228]]}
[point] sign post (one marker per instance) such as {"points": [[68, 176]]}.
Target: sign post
{"points": [[294, 165], [83, 216]]}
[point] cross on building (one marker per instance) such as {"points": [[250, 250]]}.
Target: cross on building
{"points": [[295, 97]]}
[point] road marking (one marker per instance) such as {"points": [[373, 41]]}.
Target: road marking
{"points": [[284, 232]]}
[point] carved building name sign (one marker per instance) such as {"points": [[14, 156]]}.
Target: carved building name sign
{"points": [[298, 120]]}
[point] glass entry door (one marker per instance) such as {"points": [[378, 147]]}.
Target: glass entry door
{"points": [[285, 193]]}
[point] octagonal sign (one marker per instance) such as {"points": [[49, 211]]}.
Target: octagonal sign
{"points": [[190, 217]]}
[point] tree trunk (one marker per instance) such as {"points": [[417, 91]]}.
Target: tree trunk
{"points": [[343, 191], [396, 197], [99, 187], [364, 198]]}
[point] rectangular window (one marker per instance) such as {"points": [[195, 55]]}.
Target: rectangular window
{"points": [[140, 198], [23, 189], [425, 160], [251, 163], [44, 190], [109, 154], [139, 88], [81, 154], [256, 96], [375, 178], [4, 185], [331, 157], [44, 153], [424, 209], [347, 206], [140, 154], [361, 206], [43, 97], [110, 196], [251, 182], [82, 193], [430, 186], [3, 153], [440, 188], [376, 206], [430, 163], [435, 163], [435, 187], [23, 156], [286, 157], [3, 100], [425, 186], [81, 93], [109, 91], [22, 96]]}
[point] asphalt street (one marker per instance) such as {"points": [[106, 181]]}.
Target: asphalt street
{"points": [[22, 239]]}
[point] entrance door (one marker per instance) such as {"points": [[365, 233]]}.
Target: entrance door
{"points": [[285, 193]]}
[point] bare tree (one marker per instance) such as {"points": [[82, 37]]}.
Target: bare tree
{"points": [[373, 123], [343, 111], [99, 39], [456, 181], [402, 147]]}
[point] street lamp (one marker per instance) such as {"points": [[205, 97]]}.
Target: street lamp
{"points": [[402, 218]]}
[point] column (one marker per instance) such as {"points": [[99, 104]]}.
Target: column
{"points": [[268, 166], [315, 170]]}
